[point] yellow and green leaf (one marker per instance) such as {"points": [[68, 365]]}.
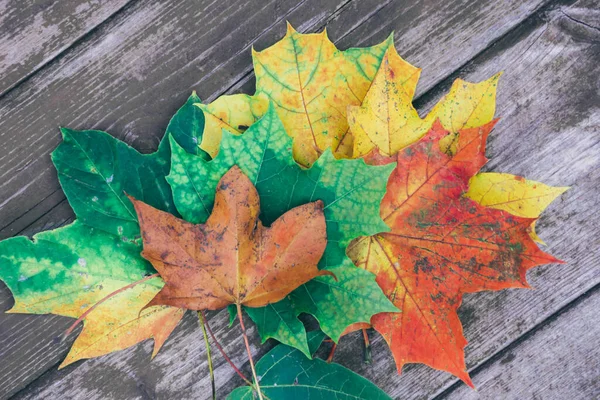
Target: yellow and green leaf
{"points": [[68, 270], [234, 113], [311, 83], [514, 194]]}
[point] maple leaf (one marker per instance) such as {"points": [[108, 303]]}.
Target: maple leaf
{"points": [[95, 170], [311, 83], [286, 374], [386, 118], [68, 270], [232, 258], [351, 192], [336, 304], [517, 195], [388, 121], [440, 246], [92, 269]]}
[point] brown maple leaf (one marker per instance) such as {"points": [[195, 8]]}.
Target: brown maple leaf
{"points": [[441, 245], [232, 258]]}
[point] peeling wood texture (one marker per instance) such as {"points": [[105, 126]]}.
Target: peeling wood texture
{"points": [[126, 68], [32, 33]]}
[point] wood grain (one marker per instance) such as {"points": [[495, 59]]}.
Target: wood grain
{"points": [[548, 99], [562, 356], [34, 32]]}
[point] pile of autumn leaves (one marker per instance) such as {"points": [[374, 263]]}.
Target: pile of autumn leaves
{"points": [[372, 215]]}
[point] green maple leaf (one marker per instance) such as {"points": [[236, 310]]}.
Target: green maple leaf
{"points": [[70, 271], [96, 171], [351, 192], [302, 378]]}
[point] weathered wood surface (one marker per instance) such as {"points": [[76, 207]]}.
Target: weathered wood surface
{"points": [[563, 356], [548, 99], [111, 82], [33, 33]]}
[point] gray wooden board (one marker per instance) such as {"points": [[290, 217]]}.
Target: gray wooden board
{"points": [[111, 81], [34, 32], [538, 98], [563, 357]]}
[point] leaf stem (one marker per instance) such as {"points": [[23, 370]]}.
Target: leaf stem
{"points": [[110, 295], [239, 311], [208, 355], [225, 356], [330, 358], [368, 358]]}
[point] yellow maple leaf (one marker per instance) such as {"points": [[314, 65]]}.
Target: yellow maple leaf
{"points": [[514, 194], [310, 83], [80, 272], [467, 105], [387, 119], [118, 323]]}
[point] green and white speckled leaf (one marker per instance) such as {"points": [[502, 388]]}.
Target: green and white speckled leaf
{"points": [[96, 170], [286, 374], [354, 297], [67, 270], [350, 190]]}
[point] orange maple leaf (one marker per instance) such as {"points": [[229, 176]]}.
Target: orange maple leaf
{"points": [[441, 245], [233, 258]]}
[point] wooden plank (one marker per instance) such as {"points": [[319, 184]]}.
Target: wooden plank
{"points": [[34, 32], [183, 390], [63, 328], [560, 361]]}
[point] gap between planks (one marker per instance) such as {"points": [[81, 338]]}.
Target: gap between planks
{"points": [[527, 335]]}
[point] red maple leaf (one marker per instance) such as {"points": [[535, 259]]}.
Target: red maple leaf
{"points": [[440, 246]]}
